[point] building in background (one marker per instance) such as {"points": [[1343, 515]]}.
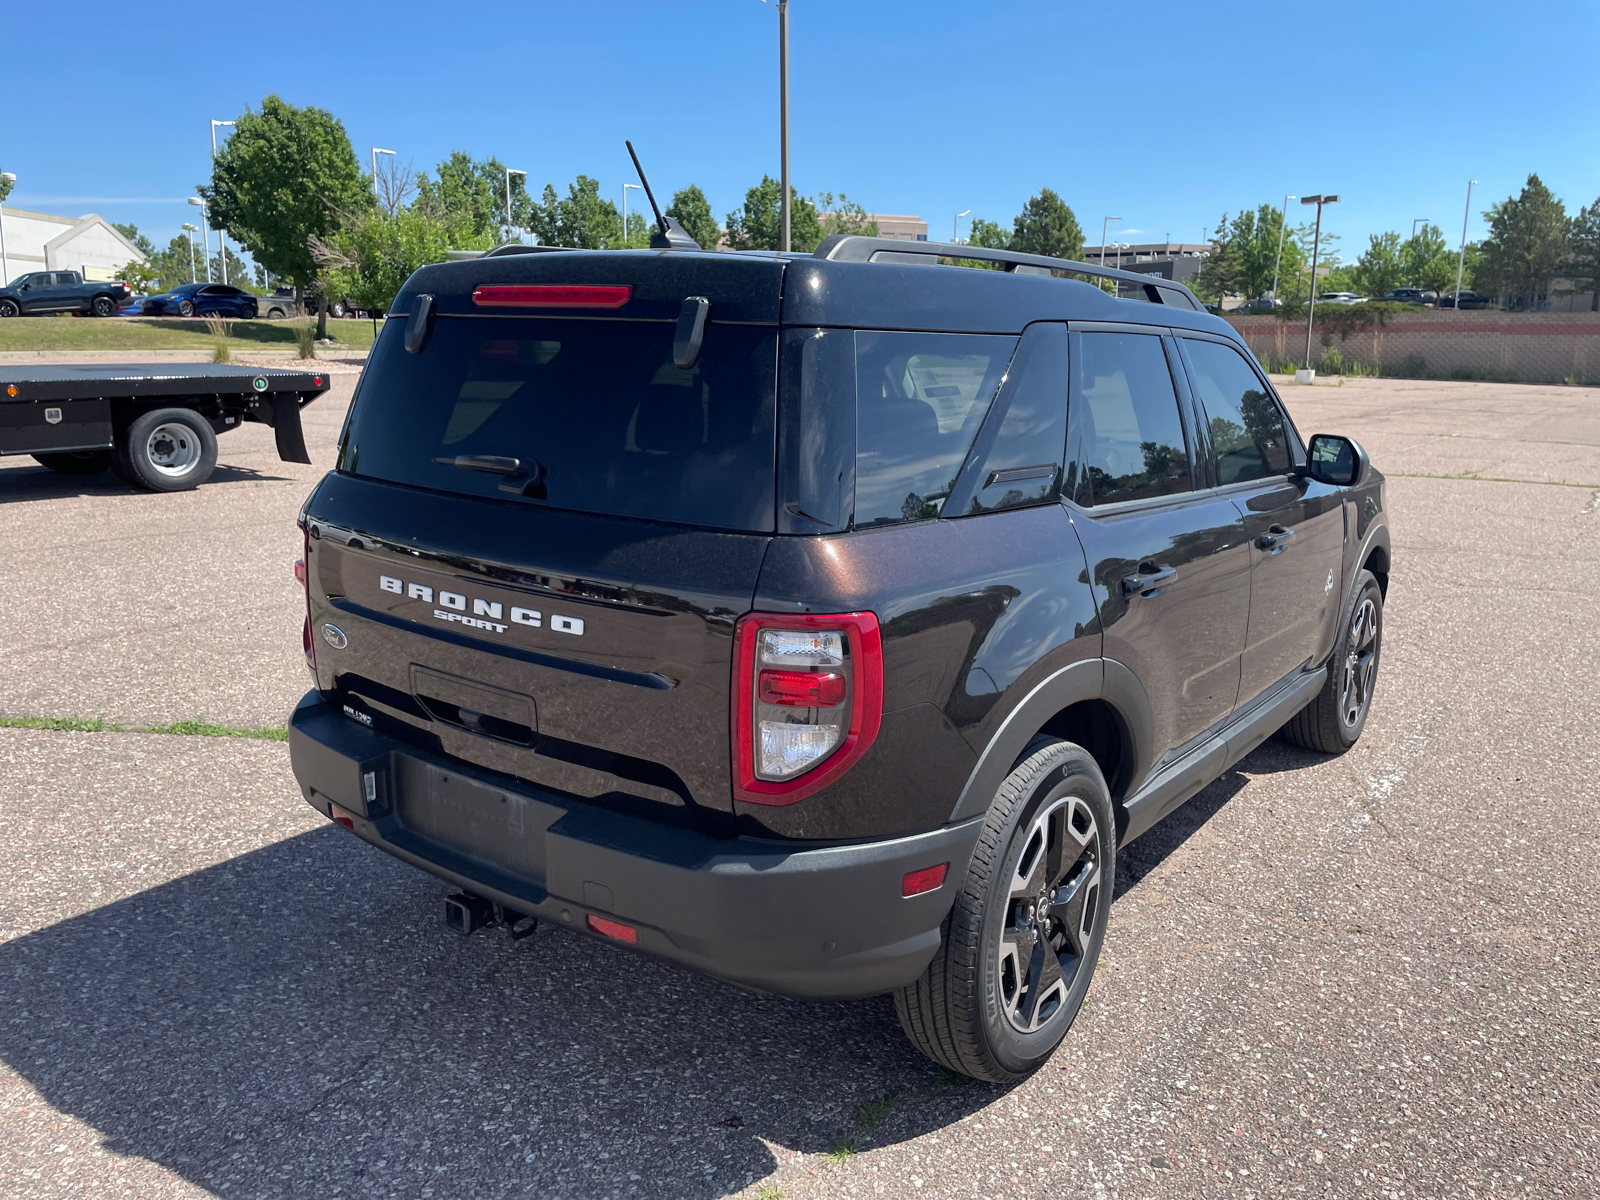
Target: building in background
{"points": [[905, 229], [1178, 261], [89, 244]]}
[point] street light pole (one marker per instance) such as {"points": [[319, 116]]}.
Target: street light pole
{"points": [[638, 187], [1316, 245], [375, 153], [1103, 225], [222, 241], [1461, 263], [955, 226], [1277, 262], [190, 230], [205, 231], [510, 171], [5, 267], [783, 115]]}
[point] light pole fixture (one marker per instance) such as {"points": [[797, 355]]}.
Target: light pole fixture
{"points": [[783, 114], [955, 227], [5, 268], [1278, 261], [638, 187], [375, 152], [1316, 245], [510, 171], [1461, 263], [222, 241], [191, 230], [1103, 225], [1414, 224], [205, 233]]}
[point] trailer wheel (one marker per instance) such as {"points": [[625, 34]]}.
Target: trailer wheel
{"points": [[75, 462], [167, 450]]}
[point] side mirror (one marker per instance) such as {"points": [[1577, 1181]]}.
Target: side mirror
{"points": [[1336, 460]]}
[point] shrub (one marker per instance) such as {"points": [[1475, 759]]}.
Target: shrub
{"points": [[1331, 361], [305, 337], [220, 329]]}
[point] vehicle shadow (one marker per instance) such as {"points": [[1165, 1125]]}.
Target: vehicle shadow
{"points": [[298, 1021], [33, 482]]}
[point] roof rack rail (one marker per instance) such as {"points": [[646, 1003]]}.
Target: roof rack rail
{"points": [[849, 247]]}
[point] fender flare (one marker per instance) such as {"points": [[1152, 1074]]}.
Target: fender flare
{"points": [[1087, 679]]}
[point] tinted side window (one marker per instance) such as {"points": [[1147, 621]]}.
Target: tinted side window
{"points": [[920, 398], [66, 279], [1247, 433], [1125, 421], [1023, 462]]}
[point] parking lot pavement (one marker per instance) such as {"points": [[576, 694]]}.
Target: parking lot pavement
{"points": [[1372, 975]]}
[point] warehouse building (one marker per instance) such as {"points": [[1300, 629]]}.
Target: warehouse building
{"points": [[35, 241]]}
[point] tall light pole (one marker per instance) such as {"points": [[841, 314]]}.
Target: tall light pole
{"points": [[638, 187], [1277, 262], [191, 230], [510, 171], [375, 152], [955, 226], [1414, 224], [1316, 245], [783, 113], [1103, 225], [222, 241], [1461, 263], [205, 232], [5, 268]]}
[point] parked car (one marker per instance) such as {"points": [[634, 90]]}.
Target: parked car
{"points": [[1466, 298], [133, 306], [1340, 298], [45, 292], [1411, 295], [202, 300], [1260, 304], [759, 614]]}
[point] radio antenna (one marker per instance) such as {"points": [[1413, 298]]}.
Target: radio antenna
{"points": [[669, 234]]}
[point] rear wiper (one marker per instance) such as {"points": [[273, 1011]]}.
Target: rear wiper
{"points": [[520, 480]]}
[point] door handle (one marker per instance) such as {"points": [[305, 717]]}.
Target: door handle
{"points": [[1274, 538], [1147, 582]]}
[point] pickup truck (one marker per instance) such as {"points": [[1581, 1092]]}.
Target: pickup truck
{"points": [[62, 291]]}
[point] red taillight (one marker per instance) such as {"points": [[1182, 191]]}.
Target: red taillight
{"points": [[613, 929], [552, 296], [300, 571], [802, 689], [928, 879], [798, 728], [340, 817], [316, 381]]}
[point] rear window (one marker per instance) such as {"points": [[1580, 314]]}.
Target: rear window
{"points": [[582, 414]]}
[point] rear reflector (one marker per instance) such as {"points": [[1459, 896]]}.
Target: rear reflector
{"points": [[552, 296], [613, 929], [348, 820], [928, 879], [803, 689], [300, 571]]}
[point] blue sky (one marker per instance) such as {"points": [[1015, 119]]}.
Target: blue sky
{"points": [[1167, 114]]}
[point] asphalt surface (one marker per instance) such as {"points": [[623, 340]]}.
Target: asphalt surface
{"points": [[1368, 976]]}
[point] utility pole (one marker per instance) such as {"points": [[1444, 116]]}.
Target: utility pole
{"points": [[1461, 263], [783, 114], [1316, 245], [191, 230], [1103, 225], [1277, 262], [205, 230]]}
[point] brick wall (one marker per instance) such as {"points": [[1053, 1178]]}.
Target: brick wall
{"points": [[1527, 347]]}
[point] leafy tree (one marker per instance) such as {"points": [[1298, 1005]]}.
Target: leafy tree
{"points": [[1047, 226], [758, 225], [1380, 266], [840, 214], [5, 189], [1426, 261], [170, 266], [368, 261], [1244, 252], [239, 273], [692, 210], [131, 232], [581, 219], [1526, 244], [989, 235], [1296, 286], [469, 199], [1584, 266], [286, 176]]}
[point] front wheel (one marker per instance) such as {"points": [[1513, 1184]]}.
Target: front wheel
{"points": [[167, 450], [8, 308], [75, 462], [1334, 720], [185, 308], [1020, 945]]}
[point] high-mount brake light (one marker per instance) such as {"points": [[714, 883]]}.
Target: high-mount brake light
{"points": [[546, 295], [613, 929], [807, 701]]}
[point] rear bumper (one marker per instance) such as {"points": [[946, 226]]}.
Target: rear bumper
{"points": [[823, 922]]}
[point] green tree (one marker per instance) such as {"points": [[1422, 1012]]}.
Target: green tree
{"points": [[286, 176], [692, 210], [468, 199], [369, 260], [1526, 244], [5, 189], [239, 273], [840, 214], [1244, 254], [1047, 226], [989, 235], [1426, 261], [758, 224], [131, 232], [1584, 265], [1296, 286], [1380, 267], [171, 265], [580, 219]]}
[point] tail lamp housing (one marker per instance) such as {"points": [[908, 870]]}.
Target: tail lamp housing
{"points": [[807, 701]]}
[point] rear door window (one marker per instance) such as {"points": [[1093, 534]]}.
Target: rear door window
{"points": [[920, 398], [583, 414], [1247, 431], [1021, 465], [1125, 422]]}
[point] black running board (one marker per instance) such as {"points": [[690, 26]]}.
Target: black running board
{"points": [[1181, 780]]}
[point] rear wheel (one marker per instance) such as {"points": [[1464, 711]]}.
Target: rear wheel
{"points": [[1334, 720], [103, 306], [167, 450], [75, 462], [1021, 942]]}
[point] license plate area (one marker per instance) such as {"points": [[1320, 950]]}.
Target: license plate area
{"points": [[479, 820]]}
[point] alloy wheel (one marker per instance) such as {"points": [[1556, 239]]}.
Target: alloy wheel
{"points": [[1360, 663]]}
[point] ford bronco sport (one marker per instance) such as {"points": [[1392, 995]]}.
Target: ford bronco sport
{"points": [[824, 623]]}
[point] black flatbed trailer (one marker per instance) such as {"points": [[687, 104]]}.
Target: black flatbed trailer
{"points": [[155, 424]]}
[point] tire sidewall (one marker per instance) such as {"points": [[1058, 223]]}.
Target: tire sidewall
{"points": [[104, 302], [133, 454], [182, 304], [9, 308], [1366, 585], [1060, 769]]}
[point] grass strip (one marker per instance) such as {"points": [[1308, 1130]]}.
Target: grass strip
{"points": [[180, 728], [53, 334]]}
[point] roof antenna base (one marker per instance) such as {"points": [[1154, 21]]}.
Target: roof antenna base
{"points": [[669, 235]]}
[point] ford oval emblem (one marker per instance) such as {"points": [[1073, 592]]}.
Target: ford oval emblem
{"points": [[335, 637]]}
